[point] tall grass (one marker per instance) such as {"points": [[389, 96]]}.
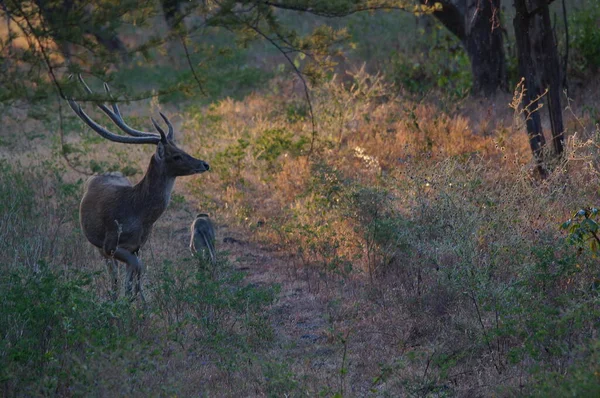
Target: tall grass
{"points": [[61, 333], [441, 215], [431, 257]]}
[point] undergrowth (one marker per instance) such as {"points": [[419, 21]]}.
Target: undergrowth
{"points": [[62, 334], [437, 255], [460, 244]]}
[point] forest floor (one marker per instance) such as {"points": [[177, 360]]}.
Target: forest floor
{"points": [[303, 330], [417, 326], [322, 332]]}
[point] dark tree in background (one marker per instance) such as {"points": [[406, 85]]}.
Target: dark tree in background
{"points": [[64, 19], [539, 65], [476, 23]]}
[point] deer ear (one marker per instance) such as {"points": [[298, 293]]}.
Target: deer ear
{"points": [[160, 151]]}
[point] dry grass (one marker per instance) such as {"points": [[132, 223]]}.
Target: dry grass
{"points": [[402, 245], [463, 187]]}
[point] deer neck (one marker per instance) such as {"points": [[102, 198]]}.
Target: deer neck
{"points": [[153, 192]]}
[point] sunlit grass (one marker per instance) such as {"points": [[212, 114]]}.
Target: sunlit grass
{"points": [[417, 246]]}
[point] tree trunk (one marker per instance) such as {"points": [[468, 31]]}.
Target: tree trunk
{"points": [[539, 65], [485, 47], [527, 72], [477, 24], [552, 81]]}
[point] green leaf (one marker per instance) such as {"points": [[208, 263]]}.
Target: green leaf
{"points": [[594, 246], [590, 225]]}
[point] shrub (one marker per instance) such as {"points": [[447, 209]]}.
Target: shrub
{"points": [[444, 66], [52, 326], [585, 37], [272, 143]]}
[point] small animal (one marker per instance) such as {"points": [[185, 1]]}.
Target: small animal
{"points": [[202, 239]]}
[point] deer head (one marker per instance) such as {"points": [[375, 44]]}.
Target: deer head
{"points": [[176, 162]]}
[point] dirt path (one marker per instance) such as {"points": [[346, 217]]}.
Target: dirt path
{"points": [[303, 331]]}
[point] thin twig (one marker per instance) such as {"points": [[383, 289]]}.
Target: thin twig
{"points": [[333, 14], [42, 50], [427, 365], [343, 369], [472, 295], [189, 61], [291, 62]]}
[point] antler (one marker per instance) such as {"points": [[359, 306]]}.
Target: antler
{"points": [[137, 136]]}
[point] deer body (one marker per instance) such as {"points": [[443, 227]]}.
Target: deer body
{"points": [[114, 210], [117, 217]]}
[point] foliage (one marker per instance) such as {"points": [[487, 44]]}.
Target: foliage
{"points": [[214, 302], [585, 37], [52, 327], [583, 229], [443, 65], [47, 41], [431, 242], [230, 161], [471, 289], [63, 336], [274, 142], [576, 379]]}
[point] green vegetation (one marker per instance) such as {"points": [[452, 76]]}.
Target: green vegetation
{"points": [[389, 237], [62, 335], [586, 37], [463, 253], [442, 66]]}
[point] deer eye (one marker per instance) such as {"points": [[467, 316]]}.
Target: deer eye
{"points": [[176, 157]]}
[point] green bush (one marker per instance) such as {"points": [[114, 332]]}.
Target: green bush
{"points": [[274, 142], [230, 161], [215, 303], [52, 326], [444, 66], [585, 37]]}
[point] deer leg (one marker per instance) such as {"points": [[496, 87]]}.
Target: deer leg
{"points": [[134, 268], [138, 281], [113, 269]]}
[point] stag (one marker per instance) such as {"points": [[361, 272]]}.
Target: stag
{"points": [[116, 216], [202, 239]]}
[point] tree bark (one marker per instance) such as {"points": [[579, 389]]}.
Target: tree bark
{"points": [[485, 46], [477, 24], [537, 142], [552, 80], [539, 65]]}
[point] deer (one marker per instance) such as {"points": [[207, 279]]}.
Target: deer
{"points": [[202, 237], [117, 217]]}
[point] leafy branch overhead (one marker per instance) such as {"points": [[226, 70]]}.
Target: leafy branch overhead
{"points": [[51, 39]]}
